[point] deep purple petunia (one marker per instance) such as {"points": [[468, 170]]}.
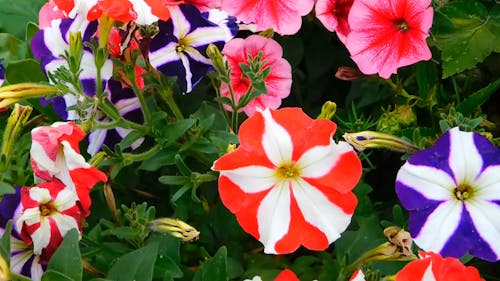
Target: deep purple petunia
{"points": [[49, 44], [179, 49], [452, 191]]}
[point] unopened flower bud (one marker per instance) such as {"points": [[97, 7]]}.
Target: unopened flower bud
{"points": [[15, 124], [11, 94], [370, 139], [176, 228], [327, 110], [391, 121], [400, 238], [348, 73], [216, 57]]}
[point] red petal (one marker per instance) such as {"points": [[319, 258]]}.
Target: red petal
{"points": [[287, 275]]}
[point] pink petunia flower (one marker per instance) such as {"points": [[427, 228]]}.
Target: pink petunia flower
{"points": [[433, 266], [279, 81], [55, 155], [284, 16], [289, 183], [389, 34], [49, 12], [48, 212], [333, 15]]}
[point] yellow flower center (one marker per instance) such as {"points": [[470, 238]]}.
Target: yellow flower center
{"points": [[288, 171], [47, 209], [181, 45], [401, 24], [463, 191]]}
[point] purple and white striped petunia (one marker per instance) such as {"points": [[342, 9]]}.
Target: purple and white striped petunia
{"points": [[180, 47], [128, 107], [22, 259], [50, 43], [452, 191]]}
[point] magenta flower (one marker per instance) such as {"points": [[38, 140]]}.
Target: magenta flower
{"points": [[48, 211], [284, 16], [389, 34], [279, 81], [333, 15]]}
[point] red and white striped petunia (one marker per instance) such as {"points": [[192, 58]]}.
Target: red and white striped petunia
{"points": [[48, 212], [55, 155], [433, 267], [289, 183]]}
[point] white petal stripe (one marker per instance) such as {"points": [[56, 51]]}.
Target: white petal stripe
{"points": [[180, 23], [319, 211], [487, 185], [428, 274], [41, 195], [205, 35], [252, 179], [29, 216], [41, 237], [144, 13], [164, 55], [486, 218], [440, 226], [274, 217], [319, 160], [432, 183], [465, 161], [65, 199], [276, 141], [64, 223], [74, 160], [43, 162]]}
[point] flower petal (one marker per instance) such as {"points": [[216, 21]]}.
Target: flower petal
{"points": [[439, 226], [486, 219], [276, 141], [433, 184], [274, 217], [465, 166], [319, 211], [252, 179]]}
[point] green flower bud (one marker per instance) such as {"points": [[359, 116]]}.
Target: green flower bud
{"points": [[176, 228], [327, 110], [15, 124], [370, 139]]}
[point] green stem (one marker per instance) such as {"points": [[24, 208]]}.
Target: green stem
{"points": [[144, 107], [134, 157], [168, 96]]}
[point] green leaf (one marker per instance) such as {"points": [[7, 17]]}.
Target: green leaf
{"points": [[11, 48], [137, 265], [27, 70], [52, 275], [466, 33], [214, 269], [6, 188], [173, 180], [162, 158], [478, 98], [14, 15], [5, 242], [67, 259], [171, 132]]}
